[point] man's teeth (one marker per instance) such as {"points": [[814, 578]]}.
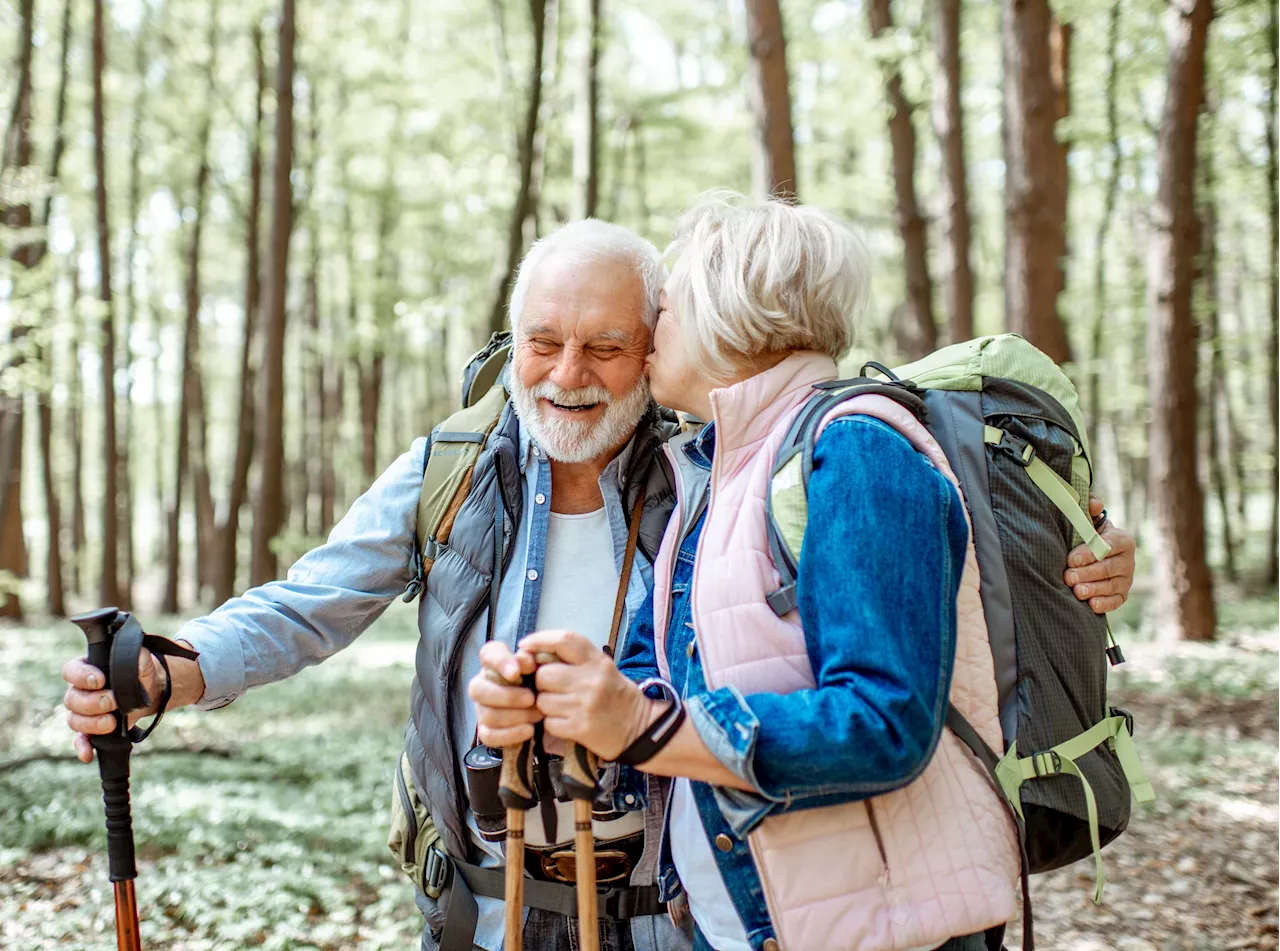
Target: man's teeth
{"points": [[575, 406]]}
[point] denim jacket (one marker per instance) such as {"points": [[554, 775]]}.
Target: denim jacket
{"points": [[881, 661]]}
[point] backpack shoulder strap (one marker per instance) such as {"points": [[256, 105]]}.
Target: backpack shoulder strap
{"points": [[787, 503], [451, 457]]}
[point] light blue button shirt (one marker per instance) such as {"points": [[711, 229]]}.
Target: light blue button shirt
{"points": [[334, 592]]}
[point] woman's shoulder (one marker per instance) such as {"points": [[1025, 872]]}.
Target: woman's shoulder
{"points": [[868, 449]]}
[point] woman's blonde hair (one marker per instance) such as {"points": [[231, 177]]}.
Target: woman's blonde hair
{"points": [[753, 277]]}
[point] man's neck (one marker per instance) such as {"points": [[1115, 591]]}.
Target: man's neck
{"points": [[575, 486]]}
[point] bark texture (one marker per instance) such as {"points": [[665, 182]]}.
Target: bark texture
{"points": [[770, 95], [949, 126], [1033, 216], [268, 514], [109, 583], [521, 208], [914, 329], [586, 142], [229, 524], [1184, 589]]}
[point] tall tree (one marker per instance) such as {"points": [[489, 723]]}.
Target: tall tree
{"points": [[1097, 357], [318, 453], [586, 141], [142, 60], [770, 95], [188, 454], [17, 217], [1184, 590], [109, 585], [268, 515], [914, 328], [1060, 36], [525, 151], [1033, 223], [75, 428], [53, 510], [948, 120], [1272, 571], [229, 523], [1216, 396]]}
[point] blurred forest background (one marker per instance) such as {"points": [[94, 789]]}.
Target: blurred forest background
{"points": [[246, 245]]}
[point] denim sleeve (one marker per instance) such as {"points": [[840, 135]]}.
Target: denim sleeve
{"points": [[878, 576], [638, 659], [332, 593]]}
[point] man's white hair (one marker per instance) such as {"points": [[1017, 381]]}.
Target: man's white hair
{"points": [[588, 241], [754, 277]]}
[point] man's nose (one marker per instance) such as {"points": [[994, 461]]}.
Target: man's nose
{"points": [[571, 371]]}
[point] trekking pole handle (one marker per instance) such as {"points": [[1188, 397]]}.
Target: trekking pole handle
{"points": [[515, 782], [579, 768], [113, 750]]}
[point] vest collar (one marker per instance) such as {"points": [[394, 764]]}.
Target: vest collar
{"points": [[746, 412]]}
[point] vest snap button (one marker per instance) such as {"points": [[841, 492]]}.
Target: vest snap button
{"points": [[691, 649], [724, 843], [771, 944]]}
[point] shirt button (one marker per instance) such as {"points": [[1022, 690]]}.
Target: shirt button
{"points": [[771, 944], [691, 649], [539, 498], [537, 451], [629, 799], [531, 574], [724, 843]]}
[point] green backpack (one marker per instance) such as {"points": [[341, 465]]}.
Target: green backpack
{"points": [[1009, 422]]}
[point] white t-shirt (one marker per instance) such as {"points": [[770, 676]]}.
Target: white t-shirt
{"points": [[709, 900], [579, 586]]}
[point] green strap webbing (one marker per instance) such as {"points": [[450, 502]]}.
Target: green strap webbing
{"points": [[1059, 491], [1013, 771]]}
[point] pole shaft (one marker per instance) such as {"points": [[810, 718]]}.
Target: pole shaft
{"points": [[585, 866], [514, 897], [127, 938]]}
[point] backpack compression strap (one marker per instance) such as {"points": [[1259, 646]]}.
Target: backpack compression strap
{"points": [[446, 479]]}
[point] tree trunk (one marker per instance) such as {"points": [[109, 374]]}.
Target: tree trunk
{"points": [[75, 403], [586, 142], [109, 587], [141, 63], [317, 454], [551, 76], [520, 209], [189, 457], [229, 525], [17, 218], [949, 124], [1272, 570], [1184, 589], [914, 329], [770, 96], [53, 513], [1033, 223], [268, 514], [1217, 383], [1060, 34], [1097, 357]]}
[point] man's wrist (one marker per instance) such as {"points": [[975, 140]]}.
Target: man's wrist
{"points": [[187, 678]]}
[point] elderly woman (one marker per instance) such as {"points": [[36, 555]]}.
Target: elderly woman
{"points": [[816, 799]]}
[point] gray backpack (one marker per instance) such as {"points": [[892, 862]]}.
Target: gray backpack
{"points": [[1010, 424]]}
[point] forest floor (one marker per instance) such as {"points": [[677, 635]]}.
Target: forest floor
{"points": [[264, 824]]}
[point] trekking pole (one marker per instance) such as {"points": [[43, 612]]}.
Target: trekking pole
{"points": [[115, 640], [113, 751], [579, 778], [515, 788]]}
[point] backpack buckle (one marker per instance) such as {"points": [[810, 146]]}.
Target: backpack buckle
{"points": [[436, 869], [1048, 763], [1021, 450]]}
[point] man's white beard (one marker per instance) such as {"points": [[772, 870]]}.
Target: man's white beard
{"points": [[569, 440]]}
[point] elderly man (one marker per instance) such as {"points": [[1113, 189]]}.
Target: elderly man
{"points": [[540, 542]]}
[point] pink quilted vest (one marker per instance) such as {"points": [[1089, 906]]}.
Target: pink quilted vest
{"points": [[949, 864]]}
